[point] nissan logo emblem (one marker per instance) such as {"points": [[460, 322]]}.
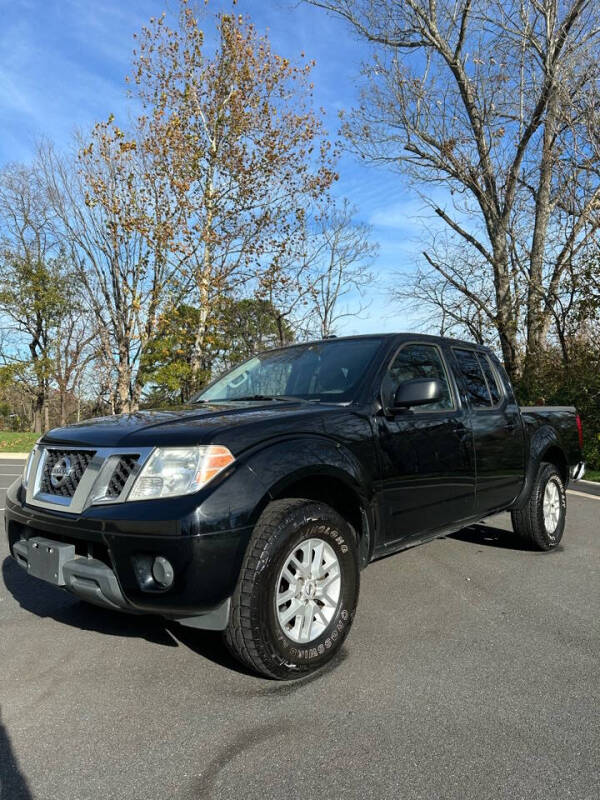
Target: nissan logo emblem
{"points": [[61, 472]]}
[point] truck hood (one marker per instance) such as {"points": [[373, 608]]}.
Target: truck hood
{"points": [[236, 425]]}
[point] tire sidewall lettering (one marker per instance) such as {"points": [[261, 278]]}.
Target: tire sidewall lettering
{"points": [[312, 652], [284, 648]]}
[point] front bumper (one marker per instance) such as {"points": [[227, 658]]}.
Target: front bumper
{"points": [[110, 567], [89, 578]]}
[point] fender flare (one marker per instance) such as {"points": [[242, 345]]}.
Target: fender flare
{"points": [[279, 465], [543, 440]]}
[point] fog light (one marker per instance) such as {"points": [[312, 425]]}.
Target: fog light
{"points": [[162, 572]]}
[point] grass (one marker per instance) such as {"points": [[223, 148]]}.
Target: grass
{"points": [[17, 442], [592, 475]]}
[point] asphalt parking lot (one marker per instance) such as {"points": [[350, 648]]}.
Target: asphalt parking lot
{"points": [[472, 671]]}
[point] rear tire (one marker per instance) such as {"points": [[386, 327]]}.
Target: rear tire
{"points": [[541, 521], [297, 592]]}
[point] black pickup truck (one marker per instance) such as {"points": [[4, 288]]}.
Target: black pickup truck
{"points": [[253, 510]]}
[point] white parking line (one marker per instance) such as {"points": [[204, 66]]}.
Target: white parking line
{"points": [[583, 494]]}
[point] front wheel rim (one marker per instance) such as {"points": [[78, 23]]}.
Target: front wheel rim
{"points": [[308, 590], [552, 506]]}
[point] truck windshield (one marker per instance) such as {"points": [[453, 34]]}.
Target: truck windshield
{"points": [[328, 371]]}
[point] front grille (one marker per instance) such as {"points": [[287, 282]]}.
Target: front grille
{"points": [[75, 461], [82, 477], [120, 475]]}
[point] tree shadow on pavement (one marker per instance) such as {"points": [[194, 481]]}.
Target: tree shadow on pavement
{"points": [[13, 784]]}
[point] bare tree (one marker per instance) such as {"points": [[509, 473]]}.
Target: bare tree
{"points": [[286, 290], [116, 223], [497, 100], [440, 305], [324, 265], [74, 347], [339, 258]]}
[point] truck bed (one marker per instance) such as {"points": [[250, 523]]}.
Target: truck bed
{"points": [[560, 419]]}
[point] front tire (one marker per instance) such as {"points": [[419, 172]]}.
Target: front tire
{"points": [[541, 521], [298, 589]]}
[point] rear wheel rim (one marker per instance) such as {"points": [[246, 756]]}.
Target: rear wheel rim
{"points": [[552, 506], [308, 590]]}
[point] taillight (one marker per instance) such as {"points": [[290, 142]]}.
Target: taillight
{"points": [[579, 431]]}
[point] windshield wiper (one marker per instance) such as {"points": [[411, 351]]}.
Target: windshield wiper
{"points": [[281, 397]]}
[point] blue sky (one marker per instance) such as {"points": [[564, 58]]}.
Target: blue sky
{"points": [[63, 64]]}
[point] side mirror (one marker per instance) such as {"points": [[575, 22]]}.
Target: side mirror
{"points": [[417, 392]]}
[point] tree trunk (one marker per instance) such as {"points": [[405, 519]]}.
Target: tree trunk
{"points": [[137, 392], [196, 357], [62, 406], [123, 388], [40, 412], [537, 324], [36, 425], [506, 323], [205, 270], [40, 394]]}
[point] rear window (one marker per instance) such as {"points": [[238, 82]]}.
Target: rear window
{"points": [[474, 379], [491, 379]]}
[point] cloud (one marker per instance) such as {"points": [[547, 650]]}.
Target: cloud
{"points": [[63, 66], [12, 96], [397, 216], [415, 207]]}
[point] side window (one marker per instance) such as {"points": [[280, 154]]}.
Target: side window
{"points": [[504, 382], [475, 382], [418, 361], [491, 379]]}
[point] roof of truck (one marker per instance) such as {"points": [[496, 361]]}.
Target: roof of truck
{"points": [[412, 335]]}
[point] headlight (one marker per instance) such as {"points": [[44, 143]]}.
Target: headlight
{"points": [[172, 471], [27, 468]]}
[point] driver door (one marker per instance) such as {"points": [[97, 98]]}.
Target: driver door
{"points": [[426, 452]]}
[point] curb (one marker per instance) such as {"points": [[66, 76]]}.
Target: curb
{"points": [[20, 456]]}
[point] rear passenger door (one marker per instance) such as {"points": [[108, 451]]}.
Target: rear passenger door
{"points": [[497, 430], [426, 453]]}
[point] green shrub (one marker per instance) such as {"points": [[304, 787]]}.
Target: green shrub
{"points": [[576, 383]]}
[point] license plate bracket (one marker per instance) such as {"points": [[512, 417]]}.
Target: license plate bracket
{"points": [[46, 559]]}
